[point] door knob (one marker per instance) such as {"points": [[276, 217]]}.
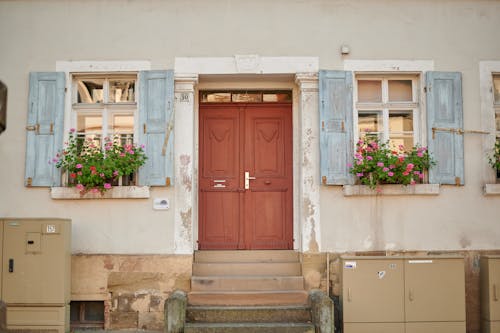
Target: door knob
{"points": [[247, 180]]}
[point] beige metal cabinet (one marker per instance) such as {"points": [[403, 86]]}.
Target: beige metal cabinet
{"points": [[36, 263], [490, 294], [403, 294]]}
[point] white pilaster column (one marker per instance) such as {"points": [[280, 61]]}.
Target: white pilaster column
{"points": [[309, 208], [184, 154]]}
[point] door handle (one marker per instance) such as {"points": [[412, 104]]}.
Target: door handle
{"points": [[411, 297], [11, 265], [349, 295], [247, 180], [495, 296]]}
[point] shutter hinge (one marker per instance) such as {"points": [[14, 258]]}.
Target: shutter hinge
{"points": [[323, 124], [65, 89], [167, 181], [144, 128], [457, 181], [29, 181], [323, 179], [51, 128]]}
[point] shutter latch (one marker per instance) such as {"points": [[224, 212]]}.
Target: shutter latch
{"points": [[456, 130], [324, 180], [457, 181], [35, 128], [167, 181], [29, 181]]}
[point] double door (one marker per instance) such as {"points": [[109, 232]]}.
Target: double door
{"points": [[245, 176]]}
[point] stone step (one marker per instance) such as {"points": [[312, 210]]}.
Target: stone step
{"points": [[248, 328], [249, 298], [246, 283], [261, 314], [247, 256], [247, 269]]}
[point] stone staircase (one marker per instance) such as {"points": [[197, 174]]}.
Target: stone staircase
{"points": [[248, 291]]}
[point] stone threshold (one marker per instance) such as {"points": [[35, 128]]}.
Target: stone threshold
{"points": [[491, 189], [118, 192], [391, 190]]}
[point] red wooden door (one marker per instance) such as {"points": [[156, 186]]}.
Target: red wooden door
{"points": [[237, 140]]}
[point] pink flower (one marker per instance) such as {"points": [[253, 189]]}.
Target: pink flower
{"points": [[122, 154], [359, 174], [385, 169], [412, 182], [380, 164], [79, 173], [390, 173], [78, 166], [95, 190], [107, 186], [401, 147], [406, 173], [80, 187], [102, 175], [410, 166], [416, 172], [143, 146], [72, 130], [72, 175], [392, 166], [369, 158], [115, 173], [421, 176], [359, 162]]}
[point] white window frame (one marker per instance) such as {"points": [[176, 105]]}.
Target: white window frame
{"points": [[488, 69], [393, 68], [384, 106], [105, 109]]}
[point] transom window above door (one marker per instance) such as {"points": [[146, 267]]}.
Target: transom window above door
{"points": [[387, 108], [105, 106], [242, 96]]}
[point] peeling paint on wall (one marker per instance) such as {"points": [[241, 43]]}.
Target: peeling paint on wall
{"points": [[185, 161]]}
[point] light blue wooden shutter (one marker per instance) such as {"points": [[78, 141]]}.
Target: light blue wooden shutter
{"points": [[336, 131], [444, 121], [44, 129], [156, 120]]}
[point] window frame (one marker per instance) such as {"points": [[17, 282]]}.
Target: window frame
{"points": [[385, 106]]}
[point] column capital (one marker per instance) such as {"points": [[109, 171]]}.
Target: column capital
{"points": [[307, 81], [185, 82]]}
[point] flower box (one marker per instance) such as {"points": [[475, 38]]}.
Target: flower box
{"points": [[117, 192]]}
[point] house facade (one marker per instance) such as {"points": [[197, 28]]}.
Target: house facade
{"points": [[250, 113]]}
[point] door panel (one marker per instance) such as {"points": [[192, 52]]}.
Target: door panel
{"points": [[219, 178], [238, 138], [436, 327], [268, 158], [367, 283], [434, 290], [494, 287]]}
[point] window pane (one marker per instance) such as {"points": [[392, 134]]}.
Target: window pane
{"points": [[405, 139], [277, 97], [400, 91], [400, 121], [74, 312], [370, 124], [90, 90], [121, 91], [122, 127], [247, 97], [89, 126], [216, 97], [369, 91], [496, 84], [94, 311]]}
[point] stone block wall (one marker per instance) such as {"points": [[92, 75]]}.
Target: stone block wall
{"points": [[133, 287]]}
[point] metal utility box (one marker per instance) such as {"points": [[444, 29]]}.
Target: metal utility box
{"points": [[403, 294], [36, 264], [490, 294]]}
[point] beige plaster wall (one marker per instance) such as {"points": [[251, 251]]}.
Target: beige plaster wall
{"points": [[455, 34]]}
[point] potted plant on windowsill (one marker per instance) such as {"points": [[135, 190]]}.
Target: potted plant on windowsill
{"points": [[494, 159], [91, 167], [375, 163]]}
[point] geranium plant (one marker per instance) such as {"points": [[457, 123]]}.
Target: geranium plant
{"points": [[376, 163], [494, 158], [91, 167]]}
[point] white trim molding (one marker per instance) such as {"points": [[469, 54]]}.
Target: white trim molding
{"points": [[389, 65], [486, 71]]}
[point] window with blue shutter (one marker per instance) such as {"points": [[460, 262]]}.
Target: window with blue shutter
{"points": [[444, 127], [336, 128], [156, 120], [44, 135]]}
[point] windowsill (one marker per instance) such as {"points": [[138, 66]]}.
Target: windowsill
{"points": [[118, 192], [391, 189], [491, 189]]}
